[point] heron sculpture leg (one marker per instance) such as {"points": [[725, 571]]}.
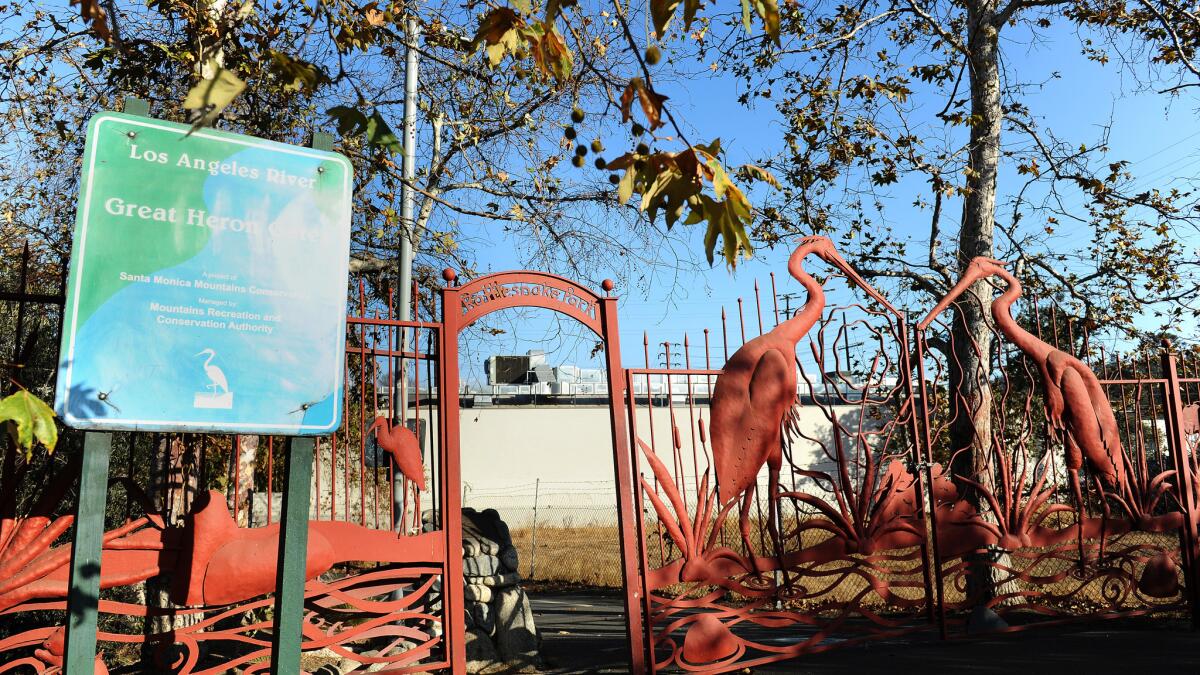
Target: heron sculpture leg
{"points": [[773, 518], [1074, 473], [1103, 521], [744, 527]]}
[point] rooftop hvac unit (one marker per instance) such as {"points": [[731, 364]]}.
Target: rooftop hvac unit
{"points": [[506, 369], [591, 375], [542, 373], [566, 374]]}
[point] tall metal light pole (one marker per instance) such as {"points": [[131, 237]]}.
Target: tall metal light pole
{"points": [[407, 223], [405, 253]]}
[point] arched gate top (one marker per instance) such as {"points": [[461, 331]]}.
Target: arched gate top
{"points": [[502, 290]]}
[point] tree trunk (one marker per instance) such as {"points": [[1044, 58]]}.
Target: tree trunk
{"points": [[241, 501], [971, 334], [971, 343], [173, 487]]}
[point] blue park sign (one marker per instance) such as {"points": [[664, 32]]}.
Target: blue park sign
{"points": [[207, 289]]}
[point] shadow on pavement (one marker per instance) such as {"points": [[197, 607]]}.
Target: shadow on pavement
{"points": [[584, 632]]}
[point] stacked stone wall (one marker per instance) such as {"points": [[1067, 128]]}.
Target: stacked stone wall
{"points": [[500, 630]]}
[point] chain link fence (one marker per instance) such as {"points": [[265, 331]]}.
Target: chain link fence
{"points": [[566, 531]]}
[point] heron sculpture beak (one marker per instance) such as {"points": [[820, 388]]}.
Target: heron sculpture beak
{"points": [[380, 421], [979, 268], [824, 249], [834, 258]]}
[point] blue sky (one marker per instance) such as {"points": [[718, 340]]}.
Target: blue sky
{"points": [[1159, 135]]}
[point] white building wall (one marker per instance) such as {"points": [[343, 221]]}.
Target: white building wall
{"points": [[561, 456]]}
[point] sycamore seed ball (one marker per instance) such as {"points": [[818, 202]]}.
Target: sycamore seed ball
{"points": [[577, 115], [597, 146], [614, 178], [653, 55], [577, 161], [580, 150], [569, 132], [600, 163], [643, 149]]}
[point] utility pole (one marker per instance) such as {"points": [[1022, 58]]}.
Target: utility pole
{"points": [[787, 304], [407, 222], [667, 359], [405, 252]]}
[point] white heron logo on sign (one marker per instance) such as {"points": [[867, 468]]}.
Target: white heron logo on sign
{"points": [[218, 394]]}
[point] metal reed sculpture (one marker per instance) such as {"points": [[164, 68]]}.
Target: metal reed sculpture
{"points": [[754, 397], [1076, 404]]}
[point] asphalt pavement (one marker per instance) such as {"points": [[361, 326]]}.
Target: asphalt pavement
{"points": [[584, 632]]}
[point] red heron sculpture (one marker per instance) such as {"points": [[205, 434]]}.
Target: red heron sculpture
{"points": [[1076, 404], [401, 443], [755, 395]]}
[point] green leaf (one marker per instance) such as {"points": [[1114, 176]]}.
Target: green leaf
{"points": [[211, 96], [733, 234], [29, 419], [350, 121], [380, 134], [738, 204], [714, 226], [296, 74], [758, 173], [625, 188], [768, 11], [661, 181], [662, 11]]}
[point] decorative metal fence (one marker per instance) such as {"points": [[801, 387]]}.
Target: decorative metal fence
{"points": [[914, 488], [843, 475], [192, 531]]}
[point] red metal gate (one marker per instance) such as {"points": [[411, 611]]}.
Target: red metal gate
{"points": [[463, 305], [384, 573], [831, 549]]}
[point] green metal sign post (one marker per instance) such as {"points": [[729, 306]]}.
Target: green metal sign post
{"points": [[293, 551], [293, 540], [83, 596]]}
